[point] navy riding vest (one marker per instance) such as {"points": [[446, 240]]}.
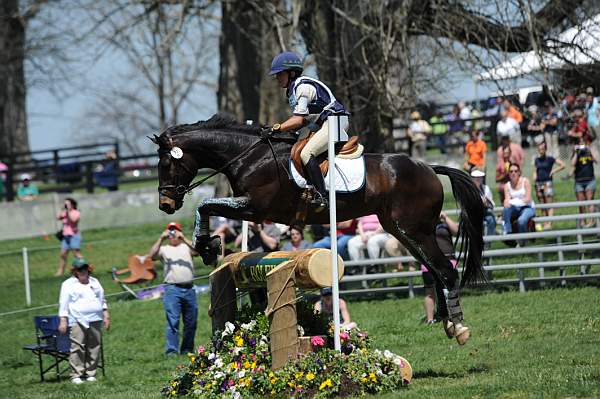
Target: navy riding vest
{"points": [[323, 105]]}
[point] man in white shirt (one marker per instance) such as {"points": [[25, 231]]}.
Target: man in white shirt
{"points": [[82, 307], [509, 126], [180, 297]]}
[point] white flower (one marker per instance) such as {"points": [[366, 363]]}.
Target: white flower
{"points": [[249, 326], [229, 327], [236, 350], [379, 372], [300, 331], [398, 361], [219, 375], [235, 394], [219, 363], [387, 354], [211, 356], [377, 352], [241, 374]]}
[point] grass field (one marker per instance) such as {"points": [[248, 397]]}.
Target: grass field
{"points": [[540, 344]]}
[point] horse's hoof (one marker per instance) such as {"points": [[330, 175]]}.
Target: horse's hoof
{"points": [[208, 248], [449, 329], [462, 335]]}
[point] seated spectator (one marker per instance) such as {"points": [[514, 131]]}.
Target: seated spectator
{"points": [[345, 231], [394, 248], [516, 151], [262, 237], [508, 126], [444, 231], [318, 231], [488, 201], [325, 306], [227, 230], [582, 167], [418, 131], [297, 242], [27, 191], [371, 237], [517, 201], [475, 150], [107, 175], [542, 176]]}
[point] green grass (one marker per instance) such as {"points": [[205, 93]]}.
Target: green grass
{"points": [[544, 343]]}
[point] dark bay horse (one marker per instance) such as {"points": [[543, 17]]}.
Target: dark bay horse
{"points": [[405, 194]]}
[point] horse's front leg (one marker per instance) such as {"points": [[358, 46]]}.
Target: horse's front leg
{"points": [[233, 208]]}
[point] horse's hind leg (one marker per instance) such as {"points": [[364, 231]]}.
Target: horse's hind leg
{"points": [[447, 275]]}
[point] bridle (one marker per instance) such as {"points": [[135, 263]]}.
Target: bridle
{"points": [[181, 189]]}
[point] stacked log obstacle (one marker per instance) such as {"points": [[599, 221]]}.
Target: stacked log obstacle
{"points": [[281, 272]]}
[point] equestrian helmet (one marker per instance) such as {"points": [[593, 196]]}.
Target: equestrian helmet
{"points": [[286, 61]]}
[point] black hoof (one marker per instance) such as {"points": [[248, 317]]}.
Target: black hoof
{"points": [[209, 248]]}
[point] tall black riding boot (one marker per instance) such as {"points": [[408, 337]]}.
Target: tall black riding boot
{"points": [[316, 179]]}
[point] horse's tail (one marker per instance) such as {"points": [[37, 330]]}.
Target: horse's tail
{"points": [[470, 231]]}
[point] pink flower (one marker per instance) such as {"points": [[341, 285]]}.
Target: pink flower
{"points": [[231, 383], [317, 341], [344, 336], [201, 349]]}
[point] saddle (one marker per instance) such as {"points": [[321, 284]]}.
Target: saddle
{"points": [[350, 150]]}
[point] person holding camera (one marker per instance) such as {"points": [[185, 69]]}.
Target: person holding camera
{"points": [[71, 236], [180, 297]]}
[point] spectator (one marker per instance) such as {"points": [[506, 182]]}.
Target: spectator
{"points": [[582, 167], [464, 114], [550, 129], [418, 131], [580, 130], [508, 126], [180, 297], [3, 169], [262, 237], [318, 231], [475, 150], [371, 236], [82, 307], [108, 174], [345, 231], [486, 196], [227, 230], [297, 242], [325, 306], [444, 231], [27, 191], [542, 176], [502, 171], [516, 151], [439, 130], [517, 201], [593, 119], [455, 125], [534, 125], [513, 111], [71, 240], [394, 248]]}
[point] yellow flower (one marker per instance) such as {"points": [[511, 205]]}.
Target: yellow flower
{"points": [[291, 384], [299, 375], [174, 383], [247, 365], [173, 392], [372, 377], [364, 380], [234, 365], [271, 375], [239, 341], [253, 365], [310, 376], [196, 372], [192, 358], [325, 384]]}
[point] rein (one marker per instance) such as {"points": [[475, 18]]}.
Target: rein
{"points": [[180, 189]]}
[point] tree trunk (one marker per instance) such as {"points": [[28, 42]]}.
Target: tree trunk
{"points": [[13, 116]]}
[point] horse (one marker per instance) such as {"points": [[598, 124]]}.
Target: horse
{"points": [[405, 194]]}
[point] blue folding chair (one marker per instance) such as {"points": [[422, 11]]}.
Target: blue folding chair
{"points": [[50, 343]]}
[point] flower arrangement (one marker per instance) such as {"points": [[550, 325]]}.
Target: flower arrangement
{"points": [[237, 365]]}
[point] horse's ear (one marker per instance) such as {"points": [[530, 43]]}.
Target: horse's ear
{"points": [[153, 139]]}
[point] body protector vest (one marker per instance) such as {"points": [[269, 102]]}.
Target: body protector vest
{"points": [[322, 106]]}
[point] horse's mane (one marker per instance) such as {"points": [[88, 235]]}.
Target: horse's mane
{"points": [[216, 122]]}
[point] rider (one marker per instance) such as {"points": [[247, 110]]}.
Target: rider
{"points": [[311, 103]]}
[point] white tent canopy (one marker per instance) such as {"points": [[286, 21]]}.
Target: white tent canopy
{"points": [[579, 45]]}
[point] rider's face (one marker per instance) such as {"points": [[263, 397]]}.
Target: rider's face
{"points": [[283, 78]]}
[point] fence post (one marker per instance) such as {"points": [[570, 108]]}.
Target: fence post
{"points": [[26, 276], [89, 178], [521, 281], [411, 288]]}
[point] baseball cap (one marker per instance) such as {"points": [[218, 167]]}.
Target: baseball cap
{"points": [[477, 173], [326, 291], [80, 263], [589, 90], [25, 176], [173, 225]]}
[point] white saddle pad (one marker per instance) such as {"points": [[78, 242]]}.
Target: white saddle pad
{"points": [[349, 175]]}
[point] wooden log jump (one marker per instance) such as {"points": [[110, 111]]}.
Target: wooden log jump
{"points": [[281, 272]]}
